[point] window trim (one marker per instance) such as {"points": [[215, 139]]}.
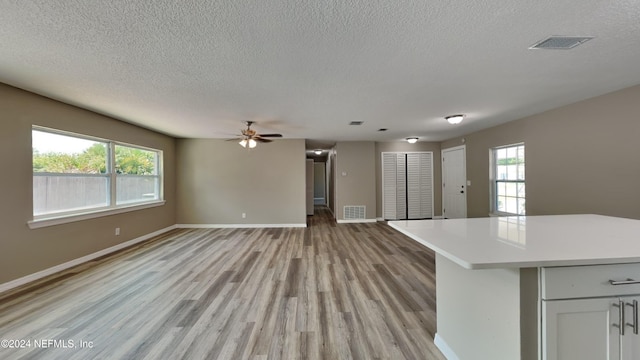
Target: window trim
{"points": [[493, 196], [62, 217], [65, 218]]}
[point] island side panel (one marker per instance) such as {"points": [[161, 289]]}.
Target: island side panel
{"points": [[478, 312]]}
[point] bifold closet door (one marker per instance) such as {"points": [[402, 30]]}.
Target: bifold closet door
{"points": [[419, 186], [408, 185], [395, 194]]}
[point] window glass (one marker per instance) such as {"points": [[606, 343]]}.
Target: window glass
{"points": [[136, 171], [69, 173]]}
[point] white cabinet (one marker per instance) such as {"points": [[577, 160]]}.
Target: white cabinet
{"points": [[630, 341], [580, 329], [586, 316]]}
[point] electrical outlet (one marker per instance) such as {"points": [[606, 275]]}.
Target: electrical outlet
{"points": [[244, 215], [117, 231]]}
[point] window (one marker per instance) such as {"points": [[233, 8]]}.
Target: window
{"points": [[75, 174], [508, 181]]}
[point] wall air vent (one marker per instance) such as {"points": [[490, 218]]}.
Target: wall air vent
{"points": [[355, 212], [561, 42], [356, 123]]}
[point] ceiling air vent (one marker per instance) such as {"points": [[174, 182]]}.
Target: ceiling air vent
{"points": [[561, 42], [356, 123]]}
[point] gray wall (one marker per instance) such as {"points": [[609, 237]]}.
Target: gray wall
{"points": [[405, 146], [24, 251], [358, 187], [219, 180], [581, 158]]}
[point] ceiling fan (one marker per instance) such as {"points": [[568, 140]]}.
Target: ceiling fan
{"points": [[250, 138]]}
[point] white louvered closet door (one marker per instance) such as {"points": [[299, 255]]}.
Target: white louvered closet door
{"points": [[389, 185], [401, 187], [419, 185], [407, 185]]}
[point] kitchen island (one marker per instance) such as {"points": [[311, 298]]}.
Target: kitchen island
{"points": [[534, 287]]}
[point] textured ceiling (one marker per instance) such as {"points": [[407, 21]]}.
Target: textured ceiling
{"points": [[307, 68]]}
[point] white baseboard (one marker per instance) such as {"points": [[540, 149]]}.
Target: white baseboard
{"points": [[237, 226], [438, 217], [444, 348], [69, 264], [380, 219], [354, 221]]}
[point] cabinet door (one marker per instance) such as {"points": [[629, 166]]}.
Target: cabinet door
{"points": [[581, 329], [630, 342]]}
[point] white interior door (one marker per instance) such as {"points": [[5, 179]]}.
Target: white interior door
{"points": [[454, 183]]}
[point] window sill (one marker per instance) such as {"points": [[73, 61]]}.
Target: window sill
{"points": [[64, 219]]}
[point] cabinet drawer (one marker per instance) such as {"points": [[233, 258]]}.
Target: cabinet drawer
{"points": [[589, 281]]}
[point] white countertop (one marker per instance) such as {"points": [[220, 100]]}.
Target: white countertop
{"points": [[529, 241]]}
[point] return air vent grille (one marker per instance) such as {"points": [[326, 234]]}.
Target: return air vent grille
{"points": [[561, 42], [355, 212]]}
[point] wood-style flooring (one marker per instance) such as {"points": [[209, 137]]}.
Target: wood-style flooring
{"points": [[328, 291]]}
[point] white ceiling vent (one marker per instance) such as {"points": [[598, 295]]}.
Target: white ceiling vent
{"points": [[561, 42]]}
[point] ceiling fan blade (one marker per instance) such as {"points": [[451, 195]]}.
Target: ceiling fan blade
{"points": [[260, 139], [235, 139], [271, 135]]}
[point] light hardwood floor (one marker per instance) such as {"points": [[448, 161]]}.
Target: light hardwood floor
{"points": [[348, 291]]}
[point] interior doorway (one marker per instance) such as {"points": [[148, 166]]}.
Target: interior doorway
{"points": [[454, 183], [319, 183]]}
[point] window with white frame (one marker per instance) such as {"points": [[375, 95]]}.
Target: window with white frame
{"points": [[508, 180], [76, 174]]}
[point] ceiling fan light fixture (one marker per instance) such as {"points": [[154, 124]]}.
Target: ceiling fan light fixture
{"points": [[454, 119], [251, 143], [412, 140]]}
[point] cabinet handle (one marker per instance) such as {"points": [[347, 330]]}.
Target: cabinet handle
{"points": [[634, 306], [620, 324], [624, 282]]}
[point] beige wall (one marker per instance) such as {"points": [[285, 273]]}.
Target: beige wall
{"points": [[219, 180], [24, 251], [402, 146], [581, 158], [358, 187]]}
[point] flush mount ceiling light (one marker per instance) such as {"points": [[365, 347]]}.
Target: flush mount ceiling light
{"points": [[412, 140], [454, 119], [318, 152]]}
